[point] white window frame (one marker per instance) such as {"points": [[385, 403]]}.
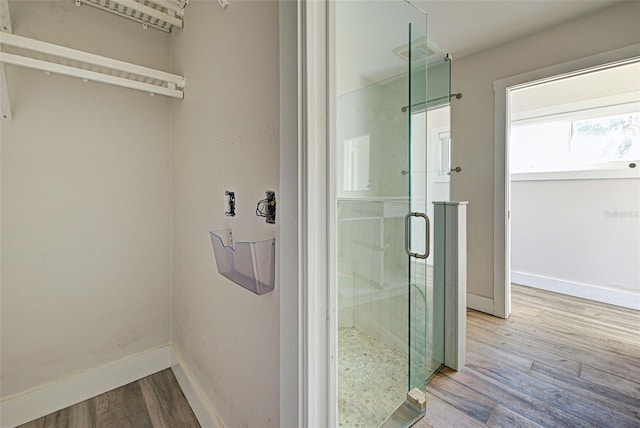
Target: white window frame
{"points": [[317, 231], [597, 107], [441, 175]]}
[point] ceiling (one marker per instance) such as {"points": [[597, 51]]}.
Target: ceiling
{"points": [[464, 27], [368, 32]]}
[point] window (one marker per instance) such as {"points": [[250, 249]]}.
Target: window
{"points": [[444, 138], [441, 154], [356, 163], [606, 139], [585, 125], [540, 147], [575, 144]]}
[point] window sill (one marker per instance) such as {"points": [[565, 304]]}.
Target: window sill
{"points": [[592, 174]]}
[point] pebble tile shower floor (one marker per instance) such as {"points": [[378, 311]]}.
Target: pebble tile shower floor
{"points": [[372, 379]]}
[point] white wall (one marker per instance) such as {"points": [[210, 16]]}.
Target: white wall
{"points": [[581, 236], [473, 115], [225, 136], [86, 250]]}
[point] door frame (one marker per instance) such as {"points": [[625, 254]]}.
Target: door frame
{"points": [[314, 214], [502, 182]]}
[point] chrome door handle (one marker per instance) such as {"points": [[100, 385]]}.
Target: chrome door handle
{"points": [[407, 235]]}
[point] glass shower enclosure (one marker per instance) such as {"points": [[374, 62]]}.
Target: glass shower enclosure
{"points": [[390, 318]]}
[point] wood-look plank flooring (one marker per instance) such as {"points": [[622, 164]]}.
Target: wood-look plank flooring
{"points": [[155, 401], [558, 361]]}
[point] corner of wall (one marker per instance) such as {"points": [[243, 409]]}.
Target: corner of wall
{"points": [[193, 392]]}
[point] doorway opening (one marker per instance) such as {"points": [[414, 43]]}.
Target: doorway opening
{"points": [[573, 156]]}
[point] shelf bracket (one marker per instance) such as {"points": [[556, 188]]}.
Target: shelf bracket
{"points": [[5, 105], [5, 17], [5, 27]]}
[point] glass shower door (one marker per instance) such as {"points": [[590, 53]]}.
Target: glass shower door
{"points": [[417, 222], [385, 339], [429, 77]]}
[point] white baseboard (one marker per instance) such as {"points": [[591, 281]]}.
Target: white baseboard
{"points": [[51, 398], [480, 303], [612, 296], [198, 401]]}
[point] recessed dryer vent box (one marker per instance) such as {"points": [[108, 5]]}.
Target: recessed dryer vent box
{"points": [[248, 264]]}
